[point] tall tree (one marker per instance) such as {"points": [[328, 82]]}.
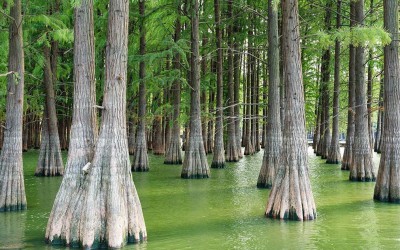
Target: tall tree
{"points": [[195, 163], [219, 155], [348, 150], [361, 168], [173, 154], [325, 140], [12, 188], [232, 152], [387, 186], [83, 132], [50, 161], [109, 213], [334, 155], [141, 158], [273, 141], [291, 196], [236, 74]]}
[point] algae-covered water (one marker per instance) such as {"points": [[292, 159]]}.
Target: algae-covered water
{"points": [[226, 211]]}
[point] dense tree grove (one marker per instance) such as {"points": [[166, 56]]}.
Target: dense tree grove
{"points": [[109, 79]]}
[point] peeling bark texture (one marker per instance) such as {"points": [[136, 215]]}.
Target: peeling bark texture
{"points": [[348, 150], [291, 196], [361, 167], [273, 142], [334, 156], [108, 212], [195, 164], [387, 186], [12, 188], [173, 154], [218, 160], [50, 161], [141, 158]]}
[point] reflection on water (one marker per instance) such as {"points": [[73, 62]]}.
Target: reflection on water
{"points": [[227, 211]]}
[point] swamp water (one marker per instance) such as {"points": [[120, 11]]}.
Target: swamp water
{"points": [[226, 211]]}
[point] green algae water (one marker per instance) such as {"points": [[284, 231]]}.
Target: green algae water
{"points": [[225, 211]]}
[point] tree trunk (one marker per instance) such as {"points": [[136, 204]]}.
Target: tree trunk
{"points": [[334, 156], [210, 130], [174, 155], [369, 96], [256, 106], [387, 186], [317, 135], [63, 225], [204, 122], [167, 118], [291, 196], [245, 107], [249, 146], [12, 188], [157, 131], [361, 168], [195, 163], [50, 161], [1, 134], [131, 135], [265, 101], [236, 70], [348, 150], [141, 158], [325, 80], [219, 154], [158, 137], [25, 133], [380, 118], [273, 142], [109, 213], [232, 151]]}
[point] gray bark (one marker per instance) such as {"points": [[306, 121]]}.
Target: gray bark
{"points": [[219, 153], [50, 161], [291, 196], [232, 152], [273, 142], [141, 158], [387, 186], [348, 150], [195, 163], [109, 213], [173, 154], [361, 167], [334, 156], [12, 188]]}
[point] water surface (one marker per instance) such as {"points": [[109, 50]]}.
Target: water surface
{"points": [[226, 211]]}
